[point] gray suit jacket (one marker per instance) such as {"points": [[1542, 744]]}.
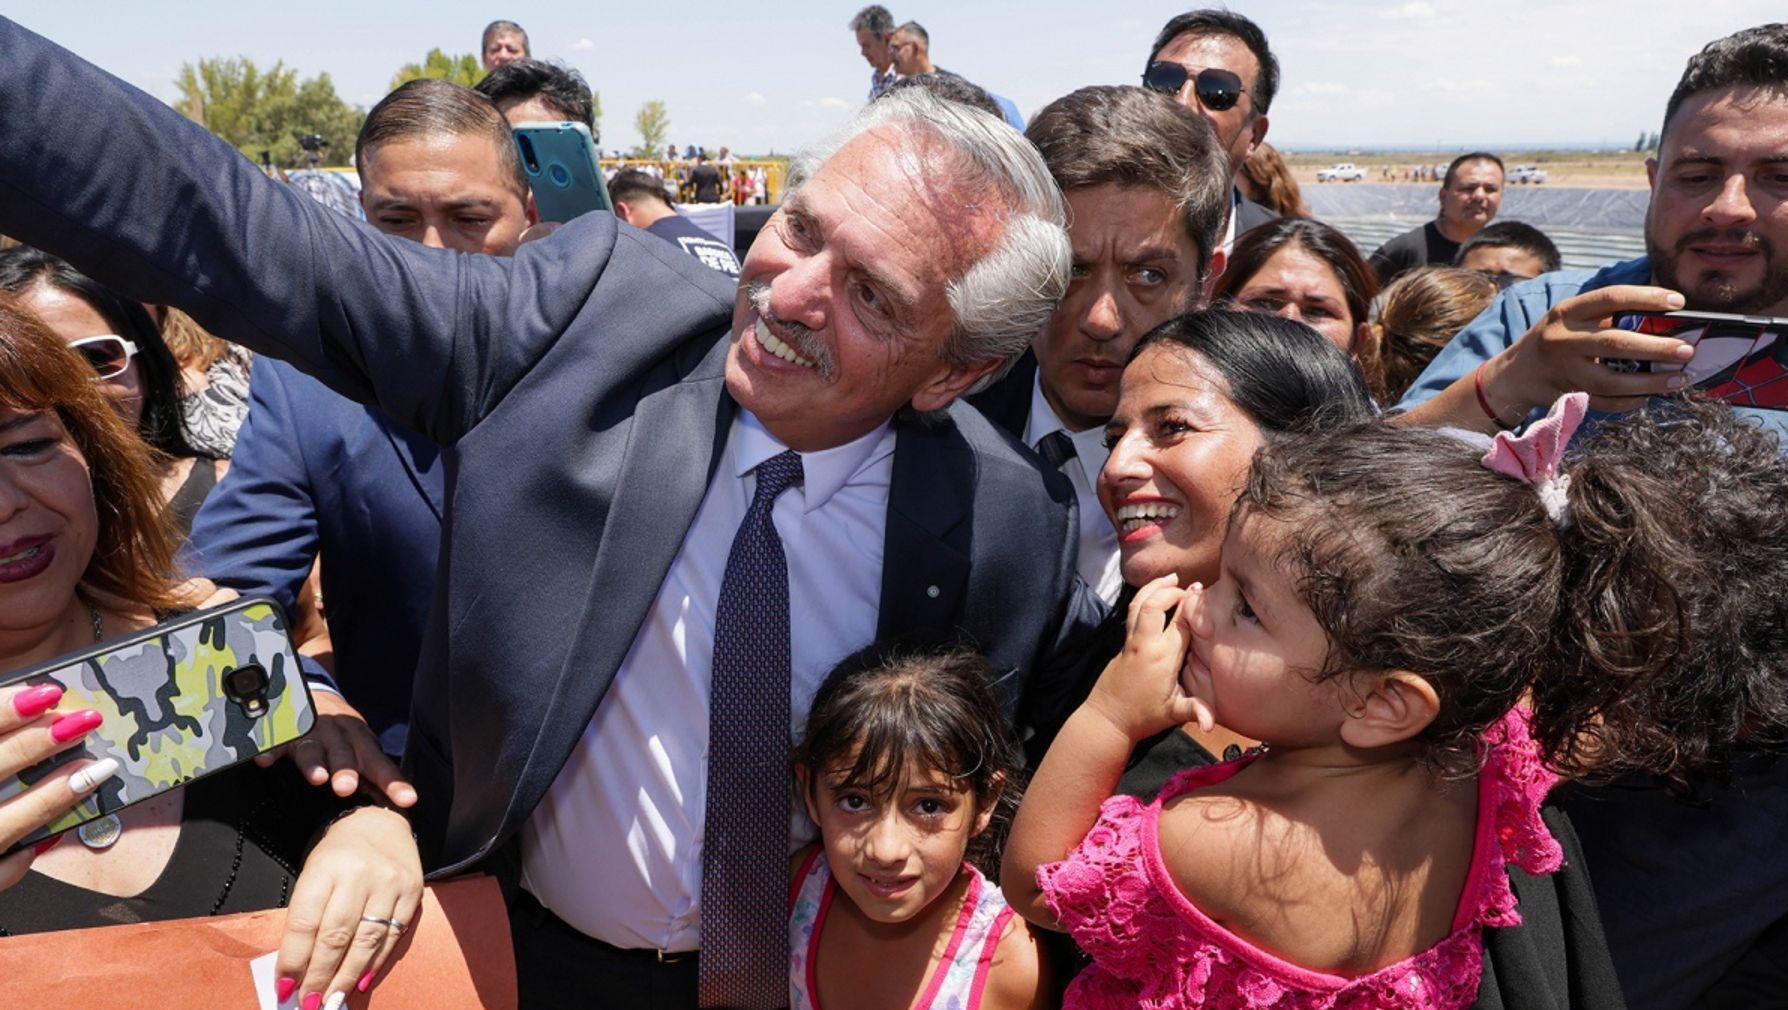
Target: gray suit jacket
{"points": [[579, 390]]}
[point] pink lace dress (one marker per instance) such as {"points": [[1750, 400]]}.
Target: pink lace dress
{"points": [[1153, 949]]}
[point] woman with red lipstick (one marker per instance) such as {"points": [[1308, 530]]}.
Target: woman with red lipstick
{"points": [[86, 555], [906, 769], [1200, 394]]}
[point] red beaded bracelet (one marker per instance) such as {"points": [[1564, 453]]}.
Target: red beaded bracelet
{"points": [[1477, 381]]}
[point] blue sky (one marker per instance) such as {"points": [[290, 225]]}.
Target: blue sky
{"points": [[760, 76]]}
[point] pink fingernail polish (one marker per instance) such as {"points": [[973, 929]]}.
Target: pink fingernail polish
{"points": [[37, 700], [365, 982], [70, 727], [312, 1000], [283, 988]]}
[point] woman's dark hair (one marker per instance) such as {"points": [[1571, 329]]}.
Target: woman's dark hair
{"points": [[1285, 375], [1359, 283], [24, 268], [1651, 630], [891, 706]]}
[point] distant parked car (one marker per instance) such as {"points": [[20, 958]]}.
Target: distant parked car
{"points": [[1527, 174], [1344, 171]]}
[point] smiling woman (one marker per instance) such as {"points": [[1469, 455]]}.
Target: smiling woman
{"points": [[86, 555]]}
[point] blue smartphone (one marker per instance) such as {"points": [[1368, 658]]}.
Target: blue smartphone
{"points": [[562, 168]]}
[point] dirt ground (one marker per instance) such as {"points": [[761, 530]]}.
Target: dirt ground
{"points": [[1575, 169]]}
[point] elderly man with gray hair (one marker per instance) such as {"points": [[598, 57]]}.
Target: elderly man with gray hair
{"points": [[673, 505]]}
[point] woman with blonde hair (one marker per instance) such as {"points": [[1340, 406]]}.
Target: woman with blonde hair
{"points": [[1418, 315]]}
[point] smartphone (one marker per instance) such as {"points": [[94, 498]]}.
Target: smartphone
{"points": [[1740, 359], [563, 171], [182, 700]]}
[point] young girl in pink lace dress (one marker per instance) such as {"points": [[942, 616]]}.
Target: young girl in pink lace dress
{"points": [[907, 770], [1419, 629]]}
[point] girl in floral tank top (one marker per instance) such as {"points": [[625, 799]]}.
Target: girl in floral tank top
{"points": [[1419, 624], [906, 768]]}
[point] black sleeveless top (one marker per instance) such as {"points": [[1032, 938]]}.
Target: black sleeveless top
{"points": [[184, 506], [243, 834]]}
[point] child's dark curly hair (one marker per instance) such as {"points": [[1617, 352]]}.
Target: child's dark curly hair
{"points": [[1651, 632], [890, 707]]}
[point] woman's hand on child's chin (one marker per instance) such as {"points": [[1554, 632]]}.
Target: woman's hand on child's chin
{"points": [[1139, 693]]}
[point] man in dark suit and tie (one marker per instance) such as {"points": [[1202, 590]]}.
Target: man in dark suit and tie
{"points": [[671, 506], [1147, 188], [316, 475]]}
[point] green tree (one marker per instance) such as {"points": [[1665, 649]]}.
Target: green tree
{"points": [[653, 123], [267, 111], [463, 69]]}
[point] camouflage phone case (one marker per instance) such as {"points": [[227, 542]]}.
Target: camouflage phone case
{"points": [[173, 709]]}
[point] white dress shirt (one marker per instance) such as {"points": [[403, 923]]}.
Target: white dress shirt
{"points": [[1098, 561], [615, 848]]}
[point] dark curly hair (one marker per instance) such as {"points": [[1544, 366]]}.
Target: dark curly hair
{"points": [[1651, 632], [892, 706]]}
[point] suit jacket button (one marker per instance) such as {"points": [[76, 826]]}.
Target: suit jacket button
{"points": [[932, 591]]}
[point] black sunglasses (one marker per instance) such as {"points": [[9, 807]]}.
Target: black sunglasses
{"points": [[1217, 90]]}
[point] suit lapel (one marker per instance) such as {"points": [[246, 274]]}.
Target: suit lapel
{"points": [[925, 564], [674, 442]]}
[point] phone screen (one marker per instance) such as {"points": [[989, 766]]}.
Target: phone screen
{"points": [[1741, 361]]}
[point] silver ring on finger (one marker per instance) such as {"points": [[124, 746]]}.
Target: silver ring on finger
{"points": [[381, 920]]}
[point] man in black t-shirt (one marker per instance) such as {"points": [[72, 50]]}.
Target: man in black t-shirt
{"points": [[639, 200], [706, 180], [1470, 195]]}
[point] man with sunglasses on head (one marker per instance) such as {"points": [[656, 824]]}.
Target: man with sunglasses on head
{"points": [[1217, 63], [1693, 893]]}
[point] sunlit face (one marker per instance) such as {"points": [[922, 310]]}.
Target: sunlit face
{"points": [[895, 855], [532, 109], [504, 48], [1241, 127], [448, 191], [72, 318], [48, 521], [1299, 285], [903, 47], [1717, 227], [1471, 200], [850, 314], [1503, 260], [1135, 267], [1256, 647], [1180, 449], [874, 48]]}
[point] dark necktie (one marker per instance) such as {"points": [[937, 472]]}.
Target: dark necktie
{"points": [[744, 956], [1056, 448]]}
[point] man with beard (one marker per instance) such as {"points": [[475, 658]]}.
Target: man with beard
{"points": [[1694, 895], [1147, 187], [1470, 195]]}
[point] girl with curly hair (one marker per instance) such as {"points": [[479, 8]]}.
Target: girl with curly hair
{"points": [[1425, 634]]}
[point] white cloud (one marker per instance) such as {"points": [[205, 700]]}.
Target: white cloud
{"points": [[1413, 10], [1567, 61], [755, 98], [834, 103], [583, 45]]}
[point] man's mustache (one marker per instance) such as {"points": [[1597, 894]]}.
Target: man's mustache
{"points": [[1727, 236], [796, 335]]}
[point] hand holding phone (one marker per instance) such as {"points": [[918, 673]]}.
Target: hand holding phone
{"points": [[33, 729], [183, 699], [1569, 348]]}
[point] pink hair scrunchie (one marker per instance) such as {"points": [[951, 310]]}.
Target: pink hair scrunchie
{"points": [[1533, 457]]}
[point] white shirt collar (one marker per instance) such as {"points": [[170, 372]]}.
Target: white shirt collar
{"points": [[1089, 445], [823, 473]]}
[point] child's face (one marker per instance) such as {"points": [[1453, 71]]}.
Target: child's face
{"points": [[895, 855], [1256, 647]]}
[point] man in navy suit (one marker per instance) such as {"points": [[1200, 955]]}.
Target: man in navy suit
{"points": [[315, 474], [671, 505]]}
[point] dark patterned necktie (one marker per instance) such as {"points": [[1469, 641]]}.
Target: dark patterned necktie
{"points": [[1056, 448], [744, 958]]}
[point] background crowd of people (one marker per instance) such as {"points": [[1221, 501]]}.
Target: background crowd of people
{"points": [[1040, 566]]}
